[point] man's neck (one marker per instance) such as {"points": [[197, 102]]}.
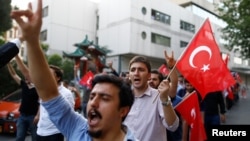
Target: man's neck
{"points": [[140, 91]]}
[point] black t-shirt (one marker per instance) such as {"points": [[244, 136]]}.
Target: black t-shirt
{"points": [[29, 104]]}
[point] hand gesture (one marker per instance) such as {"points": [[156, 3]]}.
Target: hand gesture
{"points": [[31, 26], [110, 64], [170, 61]]}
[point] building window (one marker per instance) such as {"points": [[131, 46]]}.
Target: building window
{"points": [[97, 22], [160, 39], [45, 11], [161, 17], [183, 44], [144, 11], [143, 35], [187, 26], [43, 35], [97, 40]]}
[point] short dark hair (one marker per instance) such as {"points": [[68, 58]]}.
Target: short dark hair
{"points": [[140, 59], [126, 96], [58, 72], [160, 76]]}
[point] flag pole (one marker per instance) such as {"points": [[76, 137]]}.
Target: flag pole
{"points": [[182, 55]]}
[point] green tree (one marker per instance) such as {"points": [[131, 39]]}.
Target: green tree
{"points": [[68, 69], [45, 47], [66, 65], [7, 83], [5, 18], [55, 59], [1, 41], [236, 14]]}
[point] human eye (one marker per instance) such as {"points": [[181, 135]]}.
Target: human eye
{"points": [[91, 96], [142, 69], [132, 69], [105, 97]]}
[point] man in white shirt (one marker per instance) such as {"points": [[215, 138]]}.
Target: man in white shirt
{"points": [[151, 114], [46, 130]]}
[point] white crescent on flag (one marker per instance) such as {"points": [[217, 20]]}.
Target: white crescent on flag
{"points": [[196, 51]]}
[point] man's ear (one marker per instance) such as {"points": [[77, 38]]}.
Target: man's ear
{"points": [[124, 111]]}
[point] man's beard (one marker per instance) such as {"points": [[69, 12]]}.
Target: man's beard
{"points": [[95, 134]]}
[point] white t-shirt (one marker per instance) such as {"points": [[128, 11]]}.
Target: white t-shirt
{"points": [[45, 127]]}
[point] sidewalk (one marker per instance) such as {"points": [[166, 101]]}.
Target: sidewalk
{"points": [[240, 112]]}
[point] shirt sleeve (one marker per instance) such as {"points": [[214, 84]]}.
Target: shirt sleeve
{"points": [[17, 42], [7, 52]]}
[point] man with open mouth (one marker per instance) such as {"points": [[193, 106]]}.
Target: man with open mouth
{"points": [[110, 99]]}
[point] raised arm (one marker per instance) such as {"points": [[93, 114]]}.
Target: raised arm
{"points": [[173, 75], [14, 74], [166, 89], [113, 71], [23, 68], [39, 69]]}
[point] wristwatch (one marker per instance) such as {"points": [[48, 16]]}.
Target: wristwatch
{"points": [[167, 102]]}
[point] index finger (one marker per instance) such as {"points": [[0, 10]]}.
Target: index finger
{"points": [[39, 8]]}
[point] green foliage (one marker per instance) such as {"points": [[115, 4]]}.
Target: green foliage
{"points": [[7, 83], [68, 69], [55, 59], [5, 18], [44, 47], [65, 64], [237, 32], [1, 41]]}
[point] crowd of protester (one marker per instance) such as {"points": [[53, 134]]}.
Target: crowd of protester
{"points": [[136, 105]]}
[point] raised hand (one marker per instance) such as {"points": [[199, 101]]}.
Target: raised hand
{"points": [[31, 23], [163, 89], [170, 61]]}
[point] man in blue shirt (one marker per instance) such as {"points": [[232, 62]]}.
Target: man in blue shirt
{"points": [[110, 99]]}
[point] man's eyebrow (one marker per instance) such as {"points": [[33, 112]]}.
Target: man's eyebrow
{"points": [[102, 94]]}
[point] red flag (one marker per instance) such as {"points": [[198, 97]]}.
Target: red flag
{"points": [[86, 79], [202, 65], [190, 111], [163, 69]]}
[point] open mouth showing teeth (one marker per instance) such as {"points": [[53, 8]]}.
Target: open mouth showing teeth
{"points": [[92, 115], [93, 118]]}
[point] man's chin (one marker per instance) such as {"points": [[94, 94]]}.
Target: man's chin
{"points": [[95, 134]]}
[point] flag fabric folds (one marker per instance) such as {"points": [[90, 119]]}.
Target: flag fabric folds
{"points": [[202, 65], [86, 79], [190, 111], [163, 69]]}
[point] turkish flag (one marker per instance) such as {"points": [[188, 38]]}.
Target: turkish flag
{"points": [[202, 65], [163, 69], [190, 111], [87, 79]]}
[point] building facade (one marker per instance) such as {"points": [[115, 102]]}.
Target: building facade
{"points": [[133, 27]]}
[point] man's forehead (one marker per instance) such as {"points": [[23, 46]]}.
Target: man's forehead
{"points": [[104, 86], [138, 65]]}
